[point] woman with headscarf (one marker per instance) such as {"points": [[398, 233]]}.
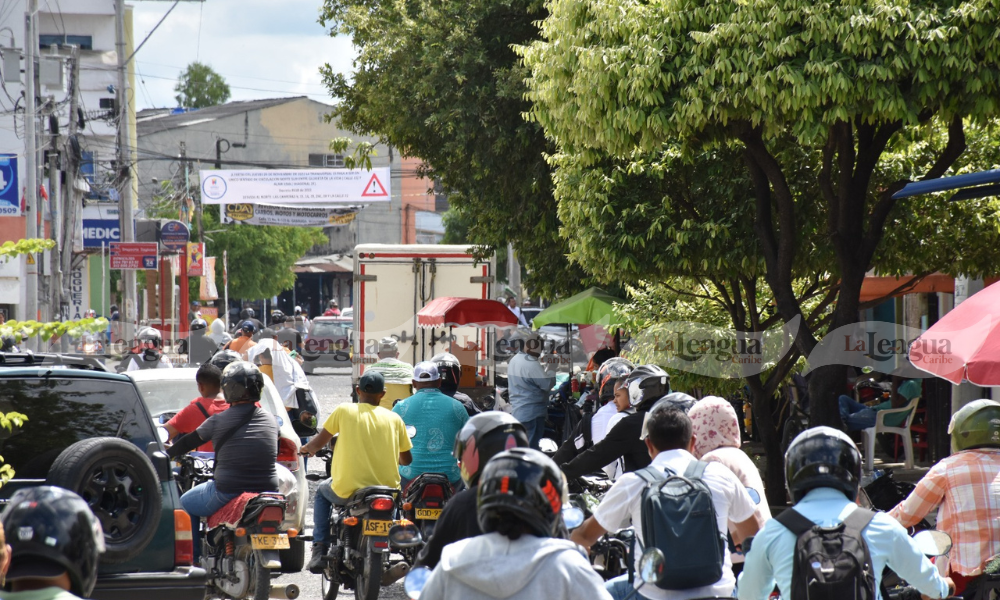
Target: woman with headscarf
{"points": [[716, 431]]}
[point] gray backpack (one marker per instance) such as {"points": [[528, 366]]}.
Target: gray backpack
{"points": [[678, 517]]}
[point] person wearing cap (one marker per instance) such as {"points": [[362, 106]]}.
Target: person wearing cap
{"points": [[243, 343], [371, 444], [397, 374], [529, 384], [437, 419]]}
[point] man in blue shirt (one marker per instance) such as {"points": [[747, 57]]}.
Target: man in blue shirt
{"points": [[529, 384], [822, 472], [437, 418]]}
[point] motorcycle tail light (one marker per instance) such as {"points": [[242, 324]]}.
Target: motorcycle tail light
{"points": [[183, 541], [241, 531], [287, 454], [351, 521], [432, 504], [432, 491], [273, 514], [382, 504], [381, 545], [292, 532], [407, 506]]}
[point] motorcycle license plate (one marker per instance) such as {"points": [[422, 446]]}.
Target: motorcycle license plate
{"points": [[266, 541], [380, 528], [430, 514]]}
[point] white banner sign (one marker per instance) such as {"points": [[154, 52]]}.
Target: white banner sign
{"points": [[296, 187], [79, 291], [301, 216]]}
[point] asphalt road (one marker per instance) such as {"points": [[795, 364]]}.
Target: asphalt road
{"points": [[332, 387]]}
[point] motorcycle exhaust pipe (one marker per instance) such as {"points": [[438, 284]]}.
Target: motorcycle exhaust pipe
{"points": [[288, 591], [395, 573]]}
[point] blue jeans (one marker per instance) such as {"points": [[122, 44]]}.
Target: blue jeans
{"points": [[322, 511], [855, 415], [620, 588], [203, 500], [536, 430]]}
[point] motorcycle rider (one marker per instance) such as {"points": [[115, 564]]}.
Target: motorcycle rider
{"points": [[521, 555], [822, 473], [371, 444], [200, 346], [332, 309], [243, 343], [209, 402], [397, 374], [286, 335], [147, 354], [484, 436], [437, 418], [529, 384], [966, 486], [53, 545], [450, 369]]}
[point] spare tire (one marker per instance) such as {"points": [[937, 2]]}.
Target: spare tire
{"points": [[120, 484]]}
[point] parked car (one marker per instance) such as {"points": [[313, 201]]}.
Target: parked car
{"points": [[167, 391], [88, 431], [328, 343]]}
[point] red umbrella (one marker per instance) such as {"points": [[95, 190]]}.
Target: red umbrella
{"points": [[449, 311], [965, 343]]}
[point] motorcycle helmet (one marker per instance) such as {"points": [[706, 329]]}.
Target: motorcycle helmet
{"points": [[277, 317], [646, 384], [522, 484], [198, 324], [450, 370], [822, 457], [52, 531], [223, 358], [975, 425], [298, 310], [242, 382], [483, 437], [672, 400], [612, 369], [148, 335]]}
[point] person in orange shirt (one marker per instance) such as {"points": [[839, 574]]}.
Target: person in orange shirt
{"points": [[245, 341]]}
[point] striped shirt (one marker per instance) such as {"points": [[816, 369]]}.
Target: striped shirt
{"points": [[966, 486]]}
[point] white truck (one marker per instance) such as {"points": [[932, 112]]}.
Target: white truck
{"points": [[392, 282]]}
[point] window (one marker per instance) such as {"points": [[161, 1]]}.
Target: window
{"points": [[47, 40], [331, 161]]}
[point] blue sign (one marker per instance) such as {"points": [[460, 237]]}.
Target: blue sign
{"points": [[175, 235], [100, 224], [10, 200]]}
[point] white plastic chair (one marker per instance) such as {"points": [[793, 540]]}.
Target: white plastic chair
{"points": [[881, 427]]}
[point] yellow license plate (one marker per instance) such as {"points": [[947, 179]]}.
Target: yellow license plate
{"points": [[265, 541], [377, 527], [428, 513]]}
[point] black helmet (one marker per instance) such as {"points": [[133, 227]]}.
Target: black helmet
{"points": [[52, 530], [611, 369], [148, 334], [483, 437], [646, 385], [223, 358], [246, 313], [199, 324], [450, 369], [822, 457], [241, 382], [524, 484], [672, 400], [277, 317]]}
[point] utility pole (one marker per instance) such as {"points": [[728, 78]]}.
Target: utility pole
{"points": [[30, 162], [125, 202], [72, 169]]}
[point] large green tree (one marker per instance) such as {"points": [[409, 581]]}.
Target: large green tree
{"points": [[200, 86], [850, 87], [439, 80]]}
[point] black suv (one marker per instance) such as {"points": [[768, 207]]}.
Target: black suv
{"points": [[88, 431]]}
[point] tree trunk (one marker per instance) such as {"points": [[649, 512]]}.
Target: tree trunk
{"points": [[770, 432]]}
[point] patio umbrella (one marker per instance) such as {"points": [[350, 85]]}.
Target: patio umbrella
{"points": [[590, 307], [965, 343]]}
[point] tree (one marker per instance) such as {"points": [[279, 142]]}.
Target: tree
{"points": [[440, 81], [870, 95], [200, 86]]}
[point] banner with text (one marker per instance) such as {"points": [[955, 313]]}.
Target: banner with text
{"points": [[300, 216], [296, 187]]}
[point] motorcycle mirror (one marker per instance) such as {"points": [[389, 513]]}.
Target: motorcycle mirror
{"points": [[753, 495], [572, 517], [411, 431], [548, 446], [163, 434], [415, 581], [651, 565], [933, 543], [405, 536]]}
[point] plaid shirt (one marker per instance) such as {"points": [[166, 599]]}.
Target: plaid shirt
{"points": [[967, 487]]}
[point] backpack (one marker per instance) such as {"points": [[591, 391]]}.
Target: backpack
{"points": [[678, 517], [830, 562]]}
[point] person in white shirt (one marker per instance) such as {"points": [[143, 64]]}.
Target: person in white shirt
{"points": [[669, 440], [512, 305]]}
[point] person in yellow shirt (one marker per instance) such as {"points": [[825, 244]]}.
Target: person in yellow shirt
{"points": [[371, 444]]}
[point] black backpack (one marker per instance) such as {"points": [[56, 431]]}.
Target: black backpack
{"points": [[678, 517], [830, 562]]}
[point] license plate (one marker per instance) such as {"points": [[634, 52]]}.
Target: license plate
{"points": [[430, 514], [377, 527], [265, 541]]}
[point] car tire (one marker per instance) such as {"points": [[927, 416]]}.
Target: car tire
{"points": [[293, 559], [120, 484]]}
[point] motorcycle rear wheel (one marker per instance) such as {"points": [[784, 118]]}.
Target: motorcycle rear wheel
{"points": [[369, 579], [328, 586], [260, 577]]}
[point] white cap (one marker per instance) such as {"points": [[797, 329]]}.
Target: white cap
{"points": [[425, 371]]}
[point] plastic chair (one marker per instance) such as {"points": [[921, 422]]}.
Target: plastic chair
{"points": [[881, 427]]}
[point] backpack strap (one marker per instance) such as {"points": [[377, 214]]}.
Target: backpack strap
{"points": [[858, 520], [695, 470], [651, 475], [793, 521], [202, 409]]}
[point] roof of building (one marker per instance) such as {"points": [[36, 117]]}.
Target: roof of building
{"points": [[162, 119]]}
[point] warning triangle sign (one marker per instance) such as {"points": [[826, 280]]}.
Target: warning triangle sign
{"points": [[374, 188], [31, 259]]}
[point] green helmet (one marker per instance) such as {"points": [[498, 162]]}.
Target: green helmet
{"points": [[975, 425]]}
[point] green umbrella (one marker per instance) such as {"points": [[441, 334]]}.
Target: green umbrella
{"points": [[591, 307]]}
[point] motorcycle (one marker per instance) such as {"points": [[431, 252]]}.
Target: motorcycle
{"points": [[240, 542], [423, 501], [611, 555]]}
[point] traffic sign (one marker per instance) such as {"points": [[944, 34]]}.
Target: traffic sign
{"points": [[174, 236], [132, 256]]}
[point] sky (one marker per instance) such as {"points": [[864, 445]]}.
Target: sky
{"points": [[263, 48]]}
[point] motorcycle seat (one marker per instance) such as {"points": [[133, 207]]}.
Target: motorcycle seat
{"points": [[230, 514], [359, 496]]}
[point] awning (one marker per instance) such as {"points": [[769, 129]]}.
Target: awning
{"points": [[874, 288], [449, 311], [332, 263], [971, 185]]}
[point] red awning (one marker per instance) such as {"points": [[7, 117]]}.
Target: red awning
{"points": [[455, 312]]}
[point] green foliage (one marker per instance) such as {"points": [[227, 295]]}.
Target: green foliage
{"points": [[28, 329], [32, 246], [200, 86], [439, 80], [9, 421]]}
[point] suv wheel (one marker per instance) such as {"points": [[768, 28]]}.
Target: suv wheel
{"points": [[120, 484]]}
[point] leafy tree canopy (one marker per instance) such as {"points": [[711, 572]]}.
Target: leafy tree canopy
{"points": [[200, 86]]}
